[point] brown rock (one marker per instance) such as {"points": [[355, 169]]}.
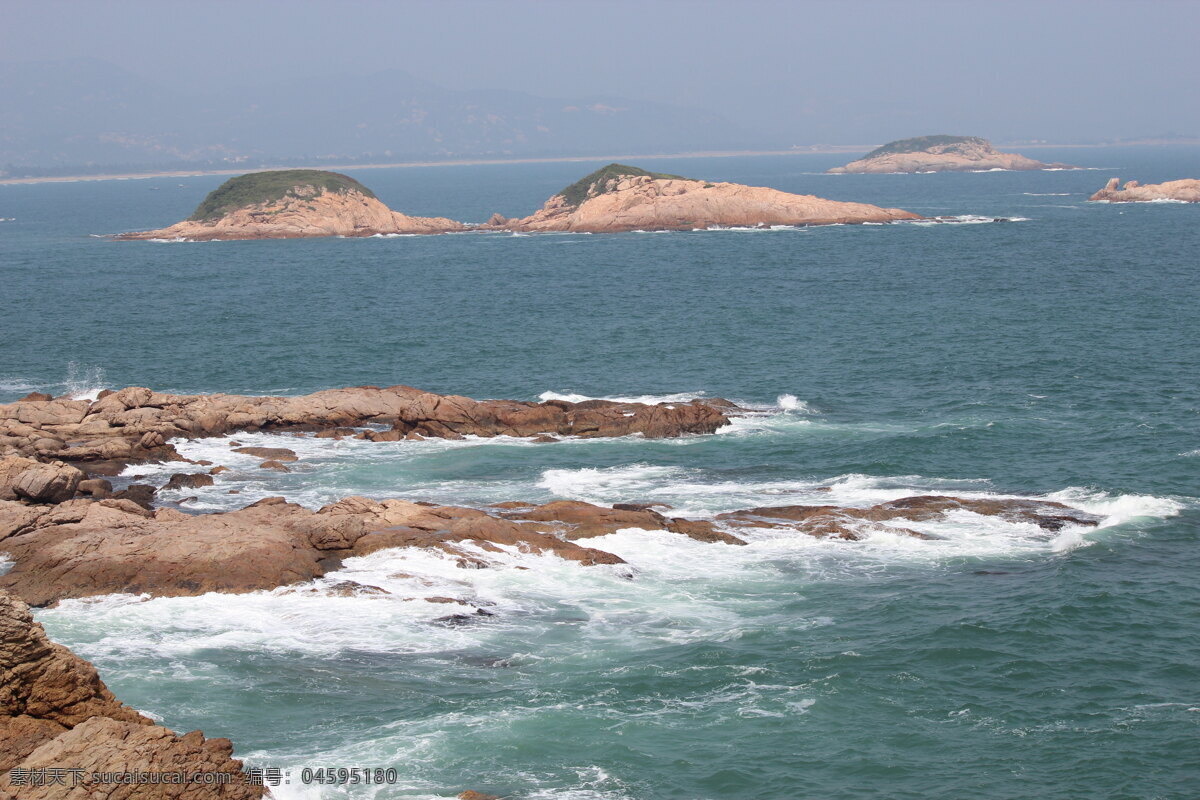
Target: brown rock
{"points": [[36, 482], [1184, 191], [583, 520], [140, 493], [95, 487], [218, 470], [37, 397], [183, 480], [272, 453], [55, 712], [275, 465], [335, 433], [471, 794]]}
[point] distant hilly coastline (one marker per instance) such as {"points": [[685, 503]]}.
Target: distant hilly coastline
{"points": [[85, 115], [941, 153], [293, 204]]}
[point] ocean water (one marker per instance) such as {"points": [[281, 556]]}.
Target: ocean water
{"points": [[1052, 356]]}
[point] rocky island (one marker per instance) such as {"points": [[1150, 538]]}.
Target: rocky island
{"points": [[619, 198], [293, 204], [1186, 190], [941, 154]]}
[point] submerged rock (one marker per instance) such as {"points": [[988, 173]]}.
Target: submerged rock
{"points": [[184, 480]]}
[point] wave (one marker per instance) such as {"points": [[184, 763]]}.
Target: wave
{"points": [[79, 383], [647, 399], [671, 589], [1049, 194], [1170, 200], [960, 219]]}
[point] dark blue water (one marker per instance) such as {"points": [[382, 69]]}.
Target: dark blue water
{"points": [[1056, 355]]}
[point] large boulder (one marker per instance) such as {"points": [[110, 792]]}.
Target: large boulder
{"points": [[36, 482]]}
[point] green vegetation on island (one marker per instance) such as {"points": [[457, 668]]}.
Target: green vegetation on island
{"points": [[265, 187], [593, 185], [919, 144]]}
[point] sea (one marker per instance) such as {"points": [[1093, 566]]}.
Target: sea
{"points": [[1034, 344]]}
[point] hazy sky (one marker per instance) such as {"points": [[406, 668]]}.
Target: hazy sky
{"points": [[819, 71]]}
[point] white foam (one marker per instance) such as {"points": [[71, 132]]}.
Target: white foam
{"points": [[645, 399], [793, 404], [960, 219]]}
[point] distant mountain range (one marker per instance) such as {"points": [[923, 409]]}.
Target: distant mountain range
{"points": [[85, 115]]}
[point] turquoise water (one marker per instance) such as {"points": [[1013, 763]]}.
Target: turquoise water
{"points": [[1052, 356]]}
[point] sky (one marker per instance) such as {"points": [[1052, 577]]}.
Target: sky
{"points": [[845, 72]]}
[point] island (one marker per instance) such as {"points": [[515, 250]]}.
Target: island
{"points": [[619, 198], [941, 154], [1186, 190], [294, 204]]}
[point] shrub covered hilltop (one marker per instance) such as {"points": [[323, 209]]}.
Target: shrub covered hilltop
{"points": [[266, 187]]}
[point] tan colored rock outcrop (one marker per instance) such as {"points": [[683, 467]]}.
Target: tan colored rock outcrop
{"points": [[618, 202], [135, 423], [56, 713], [308, 215], [83, 548], [1186, 190], [943, 154], [37, 482]]}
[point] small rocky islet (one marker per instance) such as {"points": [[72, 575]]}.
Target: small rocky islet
{"points": [[291, 204], [940, 153], [1186, 190]]}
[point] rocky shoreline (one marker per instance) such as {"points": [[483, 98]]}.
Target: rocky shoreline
{"points": [[59, 725], [65, 534]]}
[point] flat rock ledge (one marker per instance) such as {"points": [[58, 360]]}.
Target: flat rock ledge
{"points": [[56, 712], [135, 424], [85, 547], [1186, 190]]}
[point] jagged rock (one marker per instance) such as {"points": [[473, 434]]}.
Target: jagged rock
{"points": [[37, 482], [1184, 191], [55, 712], [135, 424]]}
